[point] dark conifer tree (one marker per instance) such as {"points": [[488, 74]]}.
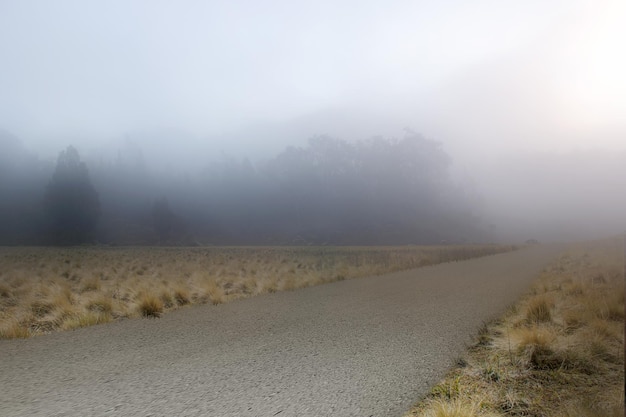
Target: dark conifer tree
{"points": [[71, 202]]}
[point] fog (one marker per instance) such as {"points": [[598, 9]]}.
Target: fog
{"points": [[403, 122]]}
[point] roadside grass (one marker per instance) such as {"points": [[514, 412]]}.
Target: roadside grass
{"points": [[558, 352], [150, 305], [48, 289]]}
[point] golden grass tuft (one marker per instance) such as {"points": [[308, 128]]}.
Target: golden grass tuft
{"points": [[536, 347], [181, 295], [538, 310], [150, 305], [532, 336]]}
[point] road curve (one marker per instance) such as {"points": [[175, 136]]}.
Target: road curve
{"points": [[363, 347]]}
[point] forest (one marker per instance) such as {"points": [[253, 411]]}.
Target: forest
{"points": [[378, 191]]}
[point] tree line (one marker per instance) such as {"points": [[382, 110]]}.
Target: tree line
{"points": [[331, 191]]}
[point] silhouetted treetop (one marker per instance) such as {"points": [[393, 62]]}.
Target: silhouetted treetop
{"points": [[385, 190], [69, 169], [71, 202]]}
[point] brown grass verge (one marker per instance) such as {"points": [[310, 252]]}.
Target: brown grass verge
{"points": [[558, 352], [49, 289]]}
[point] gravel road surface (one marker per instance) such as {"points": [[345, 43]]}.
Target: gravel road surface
{"points": [[362, 347]]}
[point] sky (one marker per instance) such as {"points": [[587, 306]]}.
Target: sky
{"points": [[528, 98], [247, 76]]}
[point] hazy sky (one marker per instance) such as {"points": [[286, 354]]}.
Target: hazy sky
{"points": [[473, 74]]}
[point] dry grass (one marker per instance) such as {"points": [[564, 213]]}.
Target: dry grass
{"points": [[150, 305], [89, 318], [14, 330], [181, 295], [456, 408], [48, 289], [214, 292], [538, 310], [558, 352], [102, 304]]}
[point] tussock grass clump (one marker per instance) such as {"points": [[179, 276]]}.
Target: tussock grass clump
{"points": [[558, 352], [539, 349], [150, 305], [181, 295], [538, 310], [533, 336]]}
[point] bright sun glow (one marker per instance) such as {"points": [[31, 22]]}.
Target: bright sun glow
{"points": [[591, 70]]}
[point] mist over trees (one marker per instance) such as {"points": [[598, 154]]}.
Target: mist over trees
{"points": [[329, 191], [375, 191]]}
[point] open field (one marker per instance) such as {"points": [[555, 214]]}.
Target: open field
{"points": [[558, 352], [49, 289]]}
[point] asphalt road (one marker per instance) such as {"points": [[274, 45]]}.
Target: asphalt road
{"points": [[363, 347]]}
